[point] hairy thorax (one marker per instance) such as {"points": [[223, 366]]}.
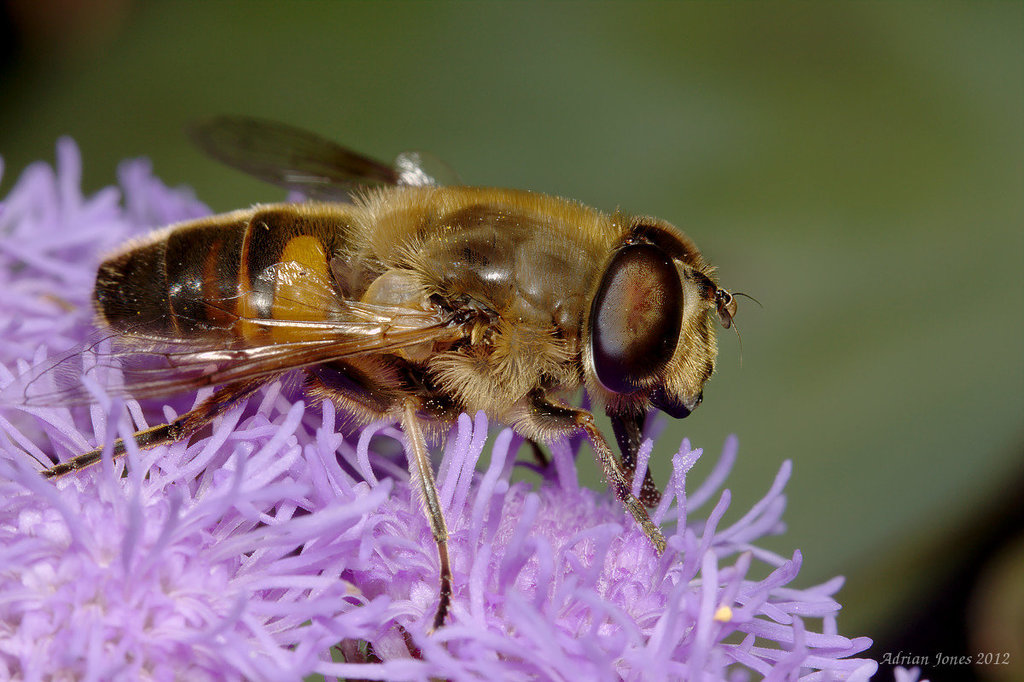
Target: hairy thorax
{"points": [[525, 272]]}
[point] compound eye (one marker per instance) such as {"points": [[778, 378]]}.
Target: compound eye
{"points": [[635, 318]]}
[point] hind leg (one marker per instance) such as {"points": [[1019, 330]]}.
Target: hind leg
{"points": [[184, 426]]}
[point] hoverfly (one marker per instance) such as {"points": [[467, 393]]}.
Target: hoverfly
{"points": [[403, 300]]}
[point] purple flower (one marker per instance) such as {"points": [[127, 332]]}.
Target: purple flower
{"points": [[275, 547]]}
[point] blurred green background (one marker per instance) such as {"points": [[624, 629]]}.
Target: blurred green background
{"points": [[859, 168]]}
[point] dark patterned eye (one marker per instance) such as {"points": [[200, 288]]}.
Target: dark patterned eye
{"points": [[635, 317]]}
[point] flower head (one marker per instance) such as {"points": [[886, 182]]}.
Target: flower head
{"points": [[275, 547]]}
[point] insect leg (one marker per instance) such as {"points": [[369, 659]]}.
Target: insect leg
{"points": [[570, 420], [538, 453], [424, 477], [628, 430], [182, 427]]}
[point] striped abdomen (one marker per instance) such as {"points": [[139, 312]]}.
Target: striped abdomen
{"points": [[217, 277]]}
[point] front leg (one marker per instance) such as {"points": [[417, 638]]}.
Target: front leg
{"points": [[562, 420], [628, 429]]}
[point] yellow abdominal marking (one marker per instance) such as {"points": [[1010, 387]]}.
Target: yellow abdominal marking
{"points": [[302, 277]]}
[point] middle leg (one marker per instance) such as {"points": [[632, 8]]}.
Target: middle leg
{"points": [[373, 390], [423, 476]]}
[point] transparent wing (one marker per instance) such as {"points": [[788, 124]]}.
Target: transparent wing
{"points": [[140, 366], [306, 162], [417, 169]]}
